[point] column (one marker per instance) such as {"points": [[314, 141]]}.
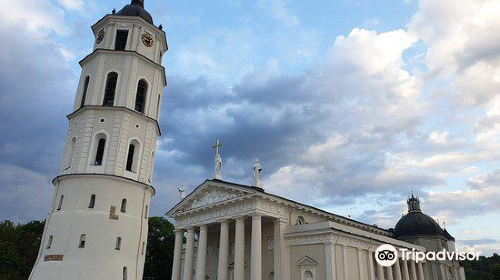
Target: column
{"points": [[344, 256], [331, 270], [201, 260], [279, 226], [406, 274], [420, 271], [176, 267], [256, 254], [413, 270], [223, 250], [188, 262], [390, 276], [380, 272], [362, 270], [371, 268], [397, 269], [239, 249]]}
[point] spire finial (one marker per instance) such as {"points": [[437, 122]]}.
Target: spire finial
{"points": [[218, 160], [138, 3]]}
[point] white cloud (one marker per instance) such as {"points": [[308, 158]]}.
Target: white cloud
{"points": [[279, 10], [36, 15], [72, 5], [439, 137]]}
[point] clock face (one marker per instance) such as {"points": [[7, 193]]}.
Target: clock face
{"points": [[100, 37], [147, 40]]}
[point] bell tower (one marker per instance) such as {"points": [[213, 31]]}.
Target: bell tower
{"points": [[98, 224]]}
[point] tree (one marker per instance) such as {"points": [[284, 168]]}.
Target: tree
{"points": [[159, 254], [495, 271], [19, 246]]}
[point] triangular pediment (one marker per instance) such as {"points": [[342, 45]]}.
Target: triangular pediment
{"points": [[307, 261], [208, 194]]}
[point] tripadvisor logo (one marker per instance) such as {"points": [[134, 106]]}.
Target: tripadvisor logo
{"points": [[387, 255]]}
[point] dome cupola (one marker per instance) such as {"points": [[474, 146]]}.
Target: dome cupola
{"points": [[136, 8], [416, 223]]}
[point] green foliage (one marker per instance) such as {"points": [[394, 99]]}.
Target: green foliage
{"points": [[495, 271], [19, 245], [159, 255], [486, 268]]}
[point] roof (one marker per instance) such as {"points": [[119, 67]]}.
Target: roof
{"points": [[254, 189], [136, 8], [448, 236], [416, 224]]}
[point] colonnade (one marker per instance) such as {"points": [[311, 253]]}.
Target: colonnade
{"points": [[239, 250], [401, 270]]}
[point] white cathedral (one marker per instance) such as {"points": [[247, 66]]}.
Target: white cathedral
{"points": [[98, 225]]}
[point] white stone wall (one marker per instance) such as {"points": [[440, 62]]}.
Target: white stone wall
{"points": [[98, 259], [121, 126]]}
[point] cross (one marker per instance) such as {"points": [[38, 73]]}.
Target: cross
{"points": [[218, 144]]}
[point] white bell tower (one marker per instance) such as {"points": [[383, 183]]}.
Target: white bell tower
{"points": [[98, 225]]}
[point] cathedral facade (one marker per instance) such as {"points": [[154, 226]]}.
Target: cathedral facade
{"points": [[229, 231], [98, 224]]}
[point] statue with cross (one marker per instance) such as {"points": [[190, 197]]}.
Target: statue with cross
{"points": [[257, 176], [218, 160]]}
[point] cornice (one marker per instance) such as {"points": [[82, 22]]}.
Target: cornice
{"points": [[127, 52], [113, 108]]}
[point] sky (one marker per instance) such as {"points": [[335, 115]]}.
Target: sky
{"points": [[350, 105]]}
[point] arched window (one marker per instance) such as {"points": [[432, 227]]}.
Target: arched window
{"points": [[124, 273], [124, 205], [82, 241], [134, 150], [109, 92], [100, 151], [130, 157], [143, 246], [92, 201], [59, 206], [49, 243], [118, 244], [71, 152], [140, 97], [85, 88], [146, 213], [300, 221]]}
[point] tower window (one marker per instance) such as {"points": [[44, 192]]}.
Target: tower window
{"points": [[109, 92], [146, 213], [140, 98], [49, 243], [124, 206], [59, 206], [82, 241], [85, 88], [121, 40], [143, 246], [100, 151], [124, 273], [118, 244], [130, 157], [92, 201]]}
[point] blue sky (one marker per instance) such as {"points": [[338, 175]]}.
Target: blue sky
{"points": [[350, 105]]}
